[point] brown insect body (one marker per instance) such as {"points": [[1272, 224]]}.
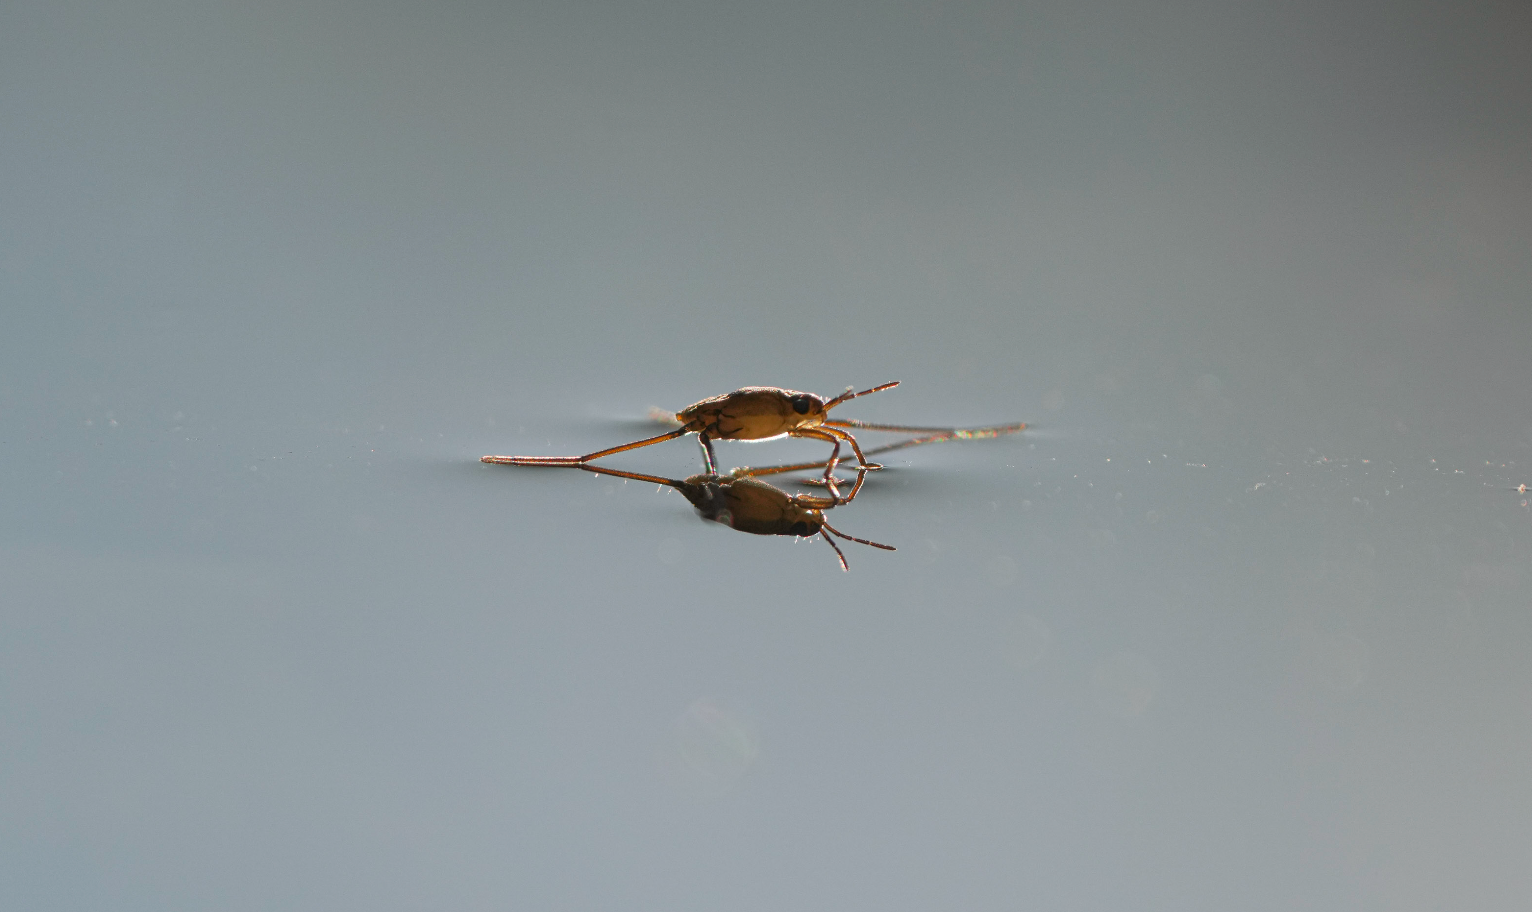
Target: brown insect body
{"points": [[754, 413]]}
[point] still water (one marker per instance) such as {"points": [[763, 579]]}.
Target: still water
{"points": [[1241, 620]]}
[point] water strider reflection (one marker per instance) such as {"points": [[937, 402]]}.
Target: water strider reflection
{"points": [[742, 501]]}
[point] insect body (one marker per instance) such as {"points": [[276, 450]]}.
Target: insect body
{"points": [[751, 413], [750, 505]]}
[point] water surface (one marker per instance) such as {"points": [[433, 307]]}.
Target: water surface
{"points": [[1240, 622]]}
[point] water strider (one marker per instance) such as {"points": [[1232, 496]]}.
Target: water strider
{"points": [[766, 413]]}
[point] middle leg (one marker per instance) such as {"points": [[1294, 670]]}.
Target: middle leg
{"points": [[709, 458]]}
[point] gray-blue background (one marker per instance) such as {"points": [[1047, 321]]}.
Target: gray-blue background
{"points": [[1242, 625]]}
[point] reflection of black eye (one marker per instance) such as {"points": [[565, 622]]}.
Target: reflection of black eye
{"points": [[800, 528], [801, 404]]}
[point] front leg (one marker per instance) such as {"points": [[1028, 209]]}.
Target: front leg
{"points": [[829, 473]]}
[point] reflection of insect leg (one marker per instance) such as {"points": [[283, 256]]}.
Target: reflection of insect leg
{"points": [[808, 500], [835, 499], [709, 458], [636, 476], [575, 461]]}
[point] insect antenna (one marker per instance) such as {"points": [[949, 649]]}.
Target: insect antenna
{"points": [[848, 394]]}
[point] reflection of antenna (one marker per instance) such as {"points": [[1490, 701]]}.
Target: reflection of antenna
{"points": [[831, 542]]}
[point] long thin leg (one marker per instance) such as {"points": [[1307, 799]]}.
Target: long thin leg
{"points": [[861, 476], [945, 434], [576, 461], [958, 433], [709, 458]]}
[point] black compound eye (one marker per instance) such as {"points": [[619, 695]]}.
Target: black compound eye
{"points": [[800, 528], [801, 404]]}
